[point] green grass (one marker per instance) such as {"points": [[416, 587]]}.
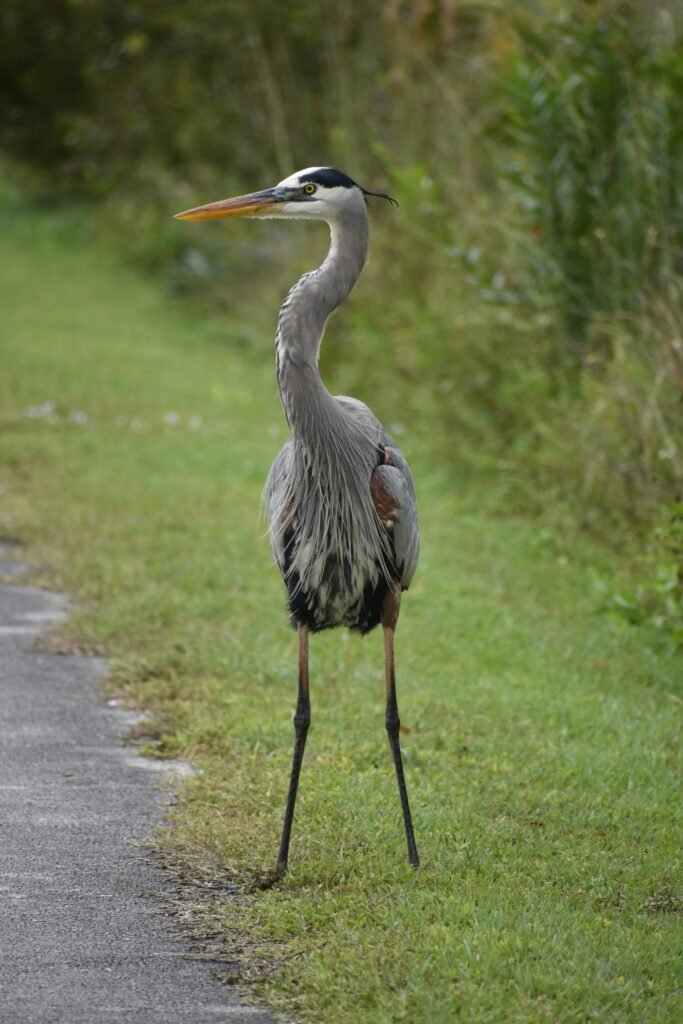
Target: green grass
{"points": [[544, 743]]}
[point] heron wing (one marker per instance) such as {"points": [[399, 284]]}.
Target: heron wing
{"points": [[275, 499], [393, 494], [392, 490]]}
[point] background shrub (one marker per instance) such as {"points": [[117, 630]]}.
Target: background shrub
{"points": [[528, 292]]}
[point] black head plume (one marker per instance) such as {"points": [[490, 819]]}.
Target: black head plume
{"points": [[379, 195]]}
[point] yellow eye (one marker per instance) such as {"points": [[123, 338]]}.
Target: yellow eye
{"points": [[309, 189]]}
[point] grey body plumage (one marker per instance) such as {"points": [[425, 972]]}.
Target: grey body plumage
{"points": [[337, 557], [340, 498]]}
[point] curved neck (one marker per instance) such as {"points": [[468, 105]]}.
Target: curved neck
{"points": [[302, 322]]}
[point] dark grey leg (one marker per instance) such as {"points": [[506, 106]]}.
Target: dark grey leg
{"points": [[302, 720], [393, 722]]}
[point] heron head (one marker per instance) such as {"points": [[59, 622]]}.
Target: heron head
{"points": [[316, 193]]}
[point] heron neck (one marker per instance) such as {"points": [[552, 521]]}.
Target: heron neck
{"points": [[302, 322]]}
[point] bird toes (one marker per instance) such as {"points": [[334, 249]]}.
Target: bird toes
{"points": [[267, 879]]}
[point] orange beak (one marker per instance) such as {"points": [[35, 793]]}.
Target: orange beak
{"points": [[242, 206]]}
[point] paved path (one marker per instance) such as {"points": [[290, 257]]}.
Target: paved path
{"points": [[80, 941]]}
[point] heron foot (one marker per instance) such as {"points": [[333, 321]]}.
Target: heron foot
{"points": [[267, 879]]}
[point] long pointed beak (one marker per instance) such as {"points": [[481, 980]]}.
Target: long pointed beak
{"points": [[242, 206]]}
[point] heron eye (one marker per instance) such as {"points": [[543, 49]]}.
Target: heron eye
{"points": [[309, 189]]}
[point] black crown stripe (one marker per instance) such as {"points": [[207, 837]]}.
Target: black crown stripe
{"points": [[328, 177]]}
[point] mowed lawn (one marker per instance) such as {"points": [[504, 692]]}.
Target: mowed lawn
{"points": [[543, 743]]}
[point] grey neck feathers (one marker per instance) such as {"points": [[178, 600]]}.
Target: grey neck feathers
{"points": [[334, 447], [302, 322]]}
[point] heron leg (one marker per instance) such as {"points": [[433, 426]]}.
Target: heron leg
{"points": [[302, 720], [392, 720]]}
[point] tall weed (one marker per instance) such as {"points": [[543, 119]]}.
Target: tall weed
{"points": [[594, 123]]}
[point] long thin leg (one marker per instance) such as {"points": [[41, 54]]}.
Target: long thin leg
{"points": [[393, 722], [302, 720]]}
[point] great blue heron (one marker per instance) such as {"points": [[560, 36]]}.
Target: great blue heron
{"points": [[340, 497]]}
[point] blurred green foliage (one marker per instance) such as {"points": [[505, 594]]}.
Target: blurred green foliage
{"points": [[98, 91], [595, 119], [527, 293]]}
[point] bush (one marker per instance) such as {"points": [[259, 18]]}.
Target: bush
{"points": [[594, 114]]}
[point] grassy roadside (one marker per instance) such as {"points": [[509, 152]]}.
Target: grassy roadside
{"points": [[544, 736]]}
